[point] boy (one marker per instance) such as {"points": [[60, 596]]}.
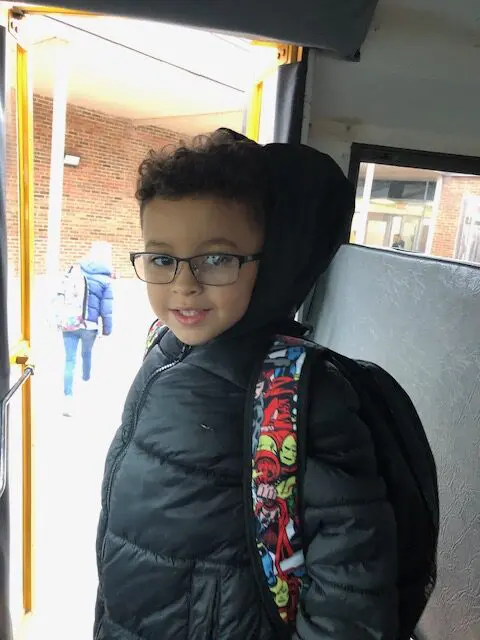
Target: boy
{"points": [[236, 235]]}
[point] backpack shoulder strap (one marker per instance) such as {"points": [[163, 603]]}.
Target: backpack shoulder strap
{"points": [[63, 279], [86, 292], [155, 333], [273, 422]]}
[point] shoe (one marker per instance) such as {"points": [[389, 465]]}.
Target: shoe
{"points": [[67, 406]]}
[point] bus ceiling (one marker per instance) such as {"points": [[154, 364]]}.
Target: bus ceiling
{"points": [[340, 27]]}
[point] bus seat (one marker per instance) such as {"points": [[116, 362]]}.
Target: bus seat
{"points": [[419, 318]]}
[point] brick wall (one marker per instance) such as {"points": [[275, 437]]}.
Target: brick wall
{"points": [[453, 191], [98, 195]]}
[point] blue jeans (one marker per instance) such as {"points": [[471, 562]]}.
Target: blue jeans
{"points": [[70, 340]]}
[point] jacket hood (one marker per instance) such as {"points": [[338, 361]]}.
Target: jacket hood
{"points": [[310, 205], [92, 268]]}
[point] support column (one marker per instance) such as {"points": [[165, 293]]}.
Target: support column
{"points": [[362, 216], [57, 155], [435, 211]]}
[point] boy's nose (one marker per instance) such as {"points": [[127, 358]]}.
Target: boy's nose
{"points": [[185, 282]]}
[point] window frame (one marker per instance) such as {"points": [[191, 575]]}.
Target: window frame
{"points": [[416, 159]]}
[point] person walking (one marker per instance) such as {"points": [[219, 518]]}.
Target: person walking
{"points": [[87, 299]]}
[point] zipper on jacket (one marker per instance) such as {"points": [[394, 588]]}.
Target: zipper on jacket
{"points": [[128, 438]]}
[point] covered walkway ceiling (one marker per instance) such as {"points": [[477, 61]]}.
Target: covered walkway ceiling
{"points": [[183, 79]]}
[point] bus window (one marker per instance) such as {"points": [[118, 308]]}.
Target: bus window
{"points": [[427, 211]]}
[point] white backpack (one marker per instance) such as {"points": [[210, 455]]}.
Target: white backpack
{"points": [[71, 300]]}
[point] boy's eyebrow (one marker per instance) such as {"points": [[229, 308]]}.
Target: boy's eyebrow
{"points": [[154, 244], [220, 241]]}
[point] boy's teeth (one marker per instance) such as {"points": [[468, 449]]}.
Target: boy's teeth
{"points": [[188, 312]]}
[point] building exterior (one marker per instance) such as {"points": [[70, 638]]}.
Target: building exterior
{"points": [[98, 194], [417, 210]]}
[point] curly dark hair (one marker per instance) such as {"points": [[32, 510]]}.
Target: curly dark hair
{"points": [[223, 165]]}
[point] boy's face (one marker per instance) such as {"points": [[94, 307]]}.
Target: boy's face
{"points": [[197, 313]]}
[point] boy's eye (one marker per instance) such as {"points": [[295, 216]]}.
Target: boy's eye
{"points": [[216, 260], [162, 261]]}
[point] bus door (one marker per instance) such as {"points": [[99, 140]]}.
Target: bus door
{"points": [[16, 369], [16, 275]]}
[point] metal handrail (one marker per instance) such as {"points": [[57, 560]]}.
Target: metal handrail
{"points": [[27, 372]]}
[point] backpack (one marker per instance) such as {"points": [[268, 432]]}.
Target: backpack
{"points": [[71, 300], [404, 458], [153, 336], [274, 415]]}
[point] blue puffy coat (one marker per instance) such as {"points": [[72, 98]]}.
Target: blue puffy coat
{"points": [[100, 294]]}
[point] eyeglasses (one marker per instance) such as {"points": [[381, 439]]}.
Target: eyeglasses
{"points": [[213, 269]]}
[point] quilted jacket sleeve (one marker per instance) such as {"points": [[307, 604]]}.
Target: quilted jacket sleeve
{"points": [[106, 309], [349, 527]]}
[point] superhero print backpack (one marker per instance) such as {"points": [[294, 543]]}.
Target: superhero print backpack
{"points": [[153, 336], [277, 417]]}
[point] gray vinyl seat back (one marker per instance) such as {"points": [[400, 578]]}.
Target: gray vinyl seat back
{"points": [[419, 318]]}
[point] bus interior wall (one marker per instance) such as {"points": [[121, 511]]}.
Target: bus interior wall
{"points": [[415, 86]]}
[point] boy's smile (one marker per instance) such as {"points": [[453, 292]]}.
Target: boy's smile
{"points": [[213, 233], [190, 317]]}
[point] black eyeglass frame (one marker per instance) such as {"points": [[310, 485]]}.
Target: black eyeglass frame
{"points": [[242, 260]]}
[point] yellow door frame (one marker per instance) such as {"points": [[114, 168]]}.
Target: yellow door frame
{"points": [[21, 353], [254, 112], [20, 356], [286, 54], [26, 196], [29, 9]]}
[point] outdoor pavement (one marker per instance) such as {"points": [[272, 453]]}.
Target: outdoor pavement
{"points": [[69, 456]]}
